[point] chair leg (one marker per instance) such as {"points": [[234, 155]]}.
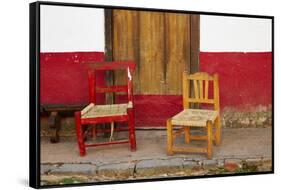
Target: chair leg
{"points": [[187, 134], [85, 132], [79, 133], [132, 135], [169, 137], [94, 132], [209, 140], [218, 131]]}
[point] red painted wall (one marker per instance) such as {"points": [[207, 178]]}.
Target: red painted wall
{"points": [[245, 79], [245, 82], [153, 110], [63, 77]]}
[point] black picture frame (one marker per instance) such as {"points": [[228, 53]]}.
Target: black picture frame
{"points": [[34, 91]]}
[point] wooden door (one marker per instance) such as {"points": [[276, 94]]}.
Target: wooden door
{"points": [[162, 45]]}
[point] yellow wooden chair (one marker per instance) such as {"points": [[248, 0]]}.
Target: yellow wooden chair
{"points": [[203, 118]]}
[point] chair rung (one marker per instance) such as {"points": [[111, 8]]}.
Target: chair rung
{"points": [[195, 137], [189, 150], [198, 100], [198, 137], [107, 143]]}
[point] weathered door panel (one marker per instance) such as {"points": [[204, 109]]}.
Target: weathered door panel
{"points": [[126, 42], [177, 46], [160, 43], [152, 58]]}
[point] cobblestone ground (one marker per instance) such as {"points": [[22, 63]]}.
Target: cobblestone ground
{"points": [[241, 151]]}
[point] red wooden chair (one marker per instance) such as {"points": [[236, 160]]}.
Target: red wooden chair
{"points": [[94, 114]]}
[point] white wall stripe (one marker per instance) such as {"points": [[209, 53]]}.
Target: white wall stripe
{"points": [[69, 29], [234, 34]]}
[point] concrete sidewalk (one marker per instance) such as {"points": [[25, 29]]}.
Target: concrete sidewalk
{"points": [[241, 150]]}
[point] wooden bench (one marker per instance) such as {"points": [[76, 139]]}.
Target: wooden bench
{"points": [[55, 113]]}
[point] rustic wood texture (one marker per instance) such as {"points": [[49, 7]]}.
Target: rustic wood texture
{"points": [[194, 42], [108, 52], [177, 46], [109, 34], [152, 53], [194, 49], [160, 44], [126, 43]]}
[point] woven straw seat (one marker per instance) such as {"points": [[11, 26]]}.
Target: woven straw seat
{"points": [[94, 111], [194, 117]]}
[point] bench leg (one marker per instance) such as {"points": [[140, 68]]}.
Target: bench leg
{"points": [[79, 133], [131, 124], [55, 125]]}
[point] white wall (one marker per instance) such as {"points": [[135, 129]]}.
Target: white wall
{"points": [[234, 34], [69, 29]]}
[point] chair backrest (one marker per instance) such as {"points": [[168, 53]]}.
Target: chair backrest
{"points": [[129, 66], [196, 89]]}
